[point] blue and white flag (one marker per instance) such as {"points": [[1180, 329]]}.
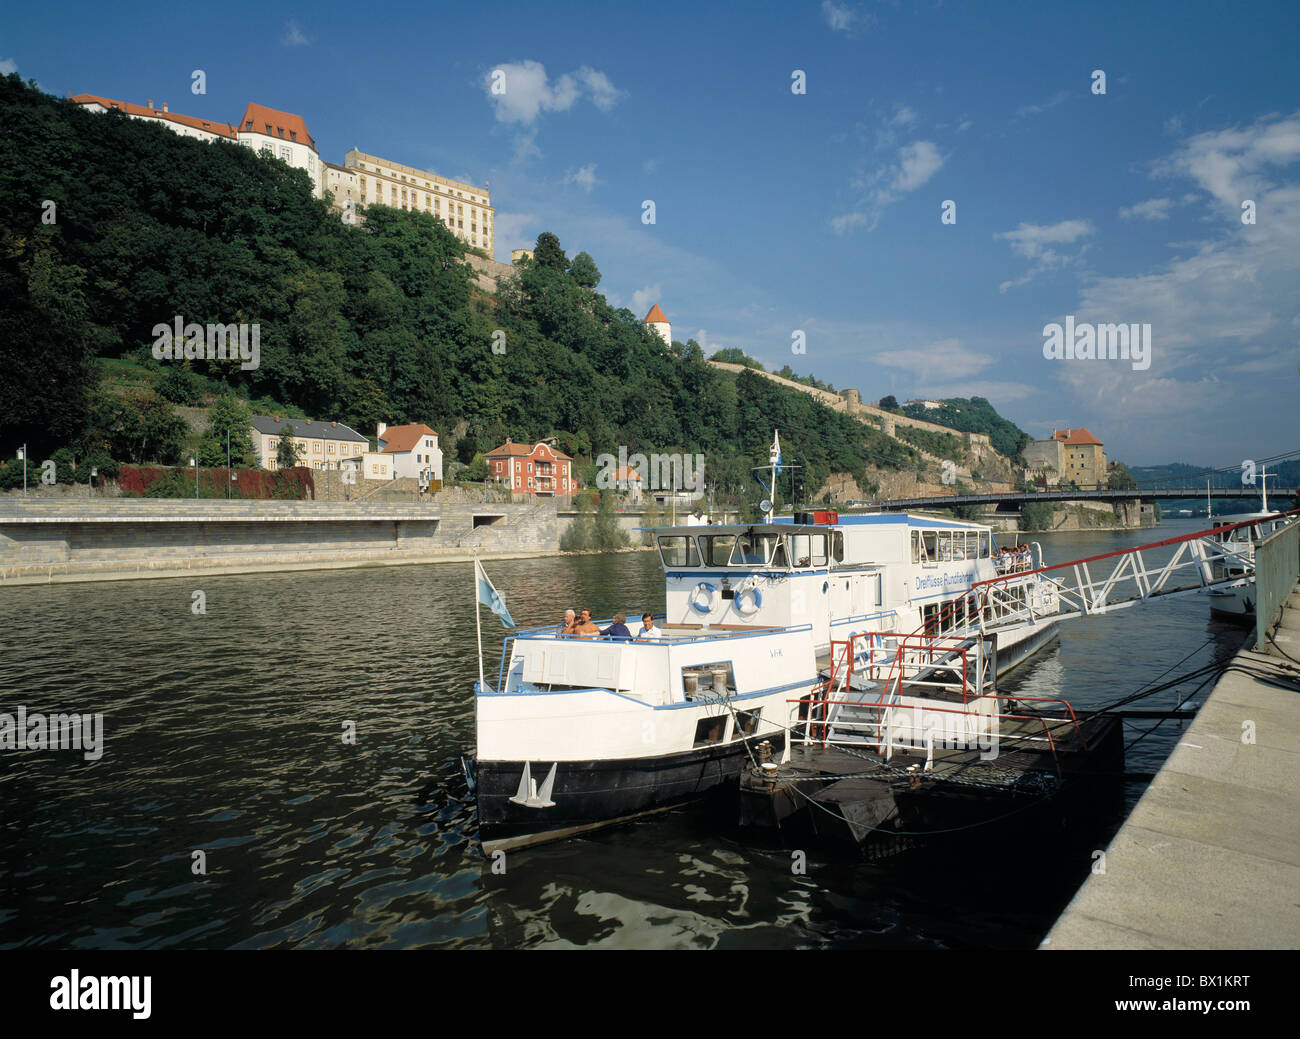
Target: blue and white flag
{"points": [[491, 598]]}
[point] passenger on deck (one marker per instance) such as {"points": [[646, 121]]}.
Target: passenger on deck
{"points": [[618, 630], [648, 629], [585, 628], [570, 623]]}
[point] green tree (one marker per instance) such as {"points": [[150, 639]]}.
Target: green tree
{"points": [[547, 253], [1120, 479], [583, 271], [610, 534], [478, 468], [889, 403], [581, 532], [227, 414], [286, 455]]}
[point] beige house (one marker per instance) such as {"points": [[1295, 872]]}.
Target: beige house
{"points": [[465, 209], [1069, 456], [319, 445]]}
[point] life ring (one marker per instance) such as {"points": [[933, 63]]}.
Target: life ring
{"points": [[756, 601], [706, 589]]}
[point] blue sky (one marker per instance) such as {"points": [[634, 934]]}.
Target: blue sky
{"points": [[820, 211]]}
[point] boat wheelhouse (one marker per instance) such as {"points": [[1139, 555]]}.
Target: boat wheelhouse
{"points": [[846, 576]]}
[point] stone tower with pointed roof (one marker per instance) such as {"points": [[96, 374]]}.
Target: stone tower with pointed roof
{"points": [[659, 324]]}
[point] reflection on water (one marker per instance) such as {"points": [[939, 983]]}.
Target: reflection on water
{"points": [[224, 734]]}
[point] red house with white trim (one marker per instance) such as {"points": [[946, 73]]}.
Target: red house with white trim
{"points": [[540, 470]]}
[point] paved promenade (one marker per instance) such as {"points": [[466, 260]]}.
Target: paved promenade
{"points": [[1210, 857]]}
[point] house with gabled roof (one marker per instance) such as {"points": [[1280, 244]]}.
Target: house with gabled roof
{"points": [[412, 451], [319, 445], [540, 470], [1068, 456]]}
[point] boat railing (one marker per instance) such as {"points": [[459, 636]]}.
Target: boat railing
{"points": [[921, 666], [679, 634], [895, 729]]}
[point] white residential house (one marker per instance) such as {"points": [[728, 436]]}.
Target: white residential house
{"points": [[412, 450]]}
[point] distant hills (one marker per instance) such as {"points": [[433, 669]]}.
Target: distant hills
{"points": [[1180, 475]]}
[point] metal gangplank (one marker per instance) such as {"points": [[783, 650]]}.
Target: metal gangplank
{"points": [[916, 693], [1113, 580]]}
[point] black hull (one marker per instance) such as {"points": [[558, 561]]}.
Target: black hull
{"points": [[587, 792]]}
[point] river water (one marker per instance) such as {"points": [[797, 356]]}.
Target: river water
{"points": [[224, 735]]}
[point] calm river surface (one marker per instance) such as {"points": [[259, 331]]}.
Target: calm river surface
{"points": [[223, 734]]}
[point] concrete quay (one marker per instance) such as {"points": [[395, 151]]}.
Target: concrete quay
{"points": [[1210, 856], [124, 539]]}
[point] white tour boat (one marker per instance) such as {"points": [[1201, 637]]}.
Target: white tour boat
{"points": [[580, 732]]}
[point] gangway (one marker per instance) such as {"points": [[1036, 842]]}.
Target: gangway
{"points": [[1123, 578]]}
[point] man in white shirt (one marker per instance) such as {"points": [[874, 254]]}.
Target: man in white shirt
{"points": [[648, 629]]}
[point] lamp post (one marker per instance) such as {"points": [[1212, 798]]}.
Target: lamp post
{"points": [[194, 461], [22, 453], [229, 489], [94, 471]]}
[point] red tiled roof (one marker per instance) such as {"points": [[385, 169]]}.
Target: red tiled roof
{"points": [[284, 125], [523, 450], [655, 315], [1078, 437], [143, 111], [400, 439], [626, 473]]}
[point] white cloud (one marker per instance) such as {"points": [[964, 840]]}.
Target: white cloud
{"points": [[1056, 99], [947, 356], [644, 298], [8, 66], [903, 116], [584, 177], [915, 165], [511, 230], [847, 222], [294, 36], [519, 92], [1152, 209], [604, 95], [1035, 241], [526, 147], [1223, 314], [839, 17]]}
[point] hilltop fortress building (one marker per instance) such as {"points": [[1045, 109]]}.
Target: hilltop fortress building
{"points": [[362, 180]]}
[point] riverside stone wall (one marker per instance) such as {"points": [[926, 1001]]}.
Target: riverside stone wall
{"points": [[64, 540]]}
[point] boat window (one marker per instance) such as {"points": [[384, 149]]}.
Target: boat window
{"points": [[930, 543], [916, 546], [780, 560], [945, 546], [746, 723], [808, 549], [753, 549], [959, 544], [717, 548], [678, 550], [984, 546], [837, 546], [710, 730], [877, 597]]}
